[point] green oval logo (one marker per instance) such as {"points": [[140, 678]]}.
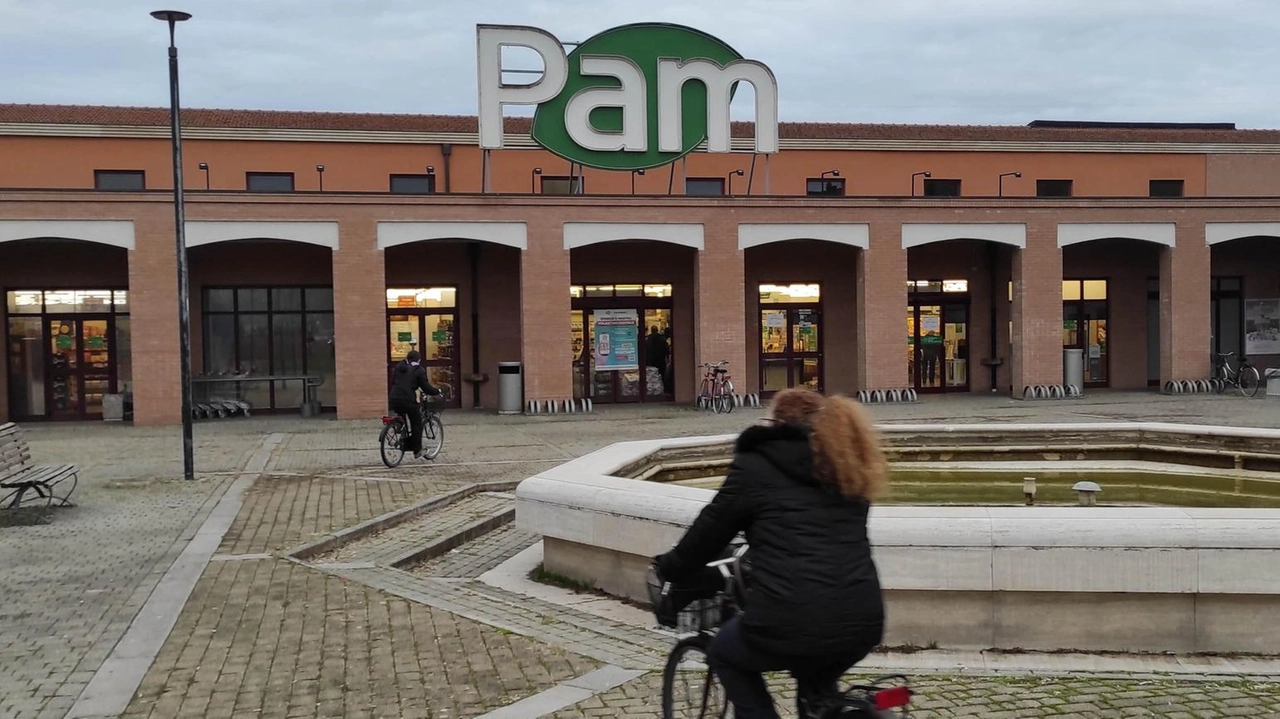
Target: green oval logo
{"points": [[642, 44]]}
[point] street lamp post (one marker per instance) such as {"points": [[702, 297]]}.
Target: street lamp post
{"points": [[533, 180], [633, 179], [914, 175], [1004, 175], [320, 173], [173, 17], [739, 173], [204, 167]]}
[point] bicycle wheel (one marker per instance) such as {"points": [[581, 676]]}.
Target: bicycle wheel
{"points": [[432, 436], [726, 396], [689, 689], [704, 395], [1249, 381], [391, 443]]}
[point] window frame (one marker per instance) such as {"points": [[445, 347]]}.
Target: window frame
{"points": [[826, 182], [941, 182], [250, 176], [99, 174], [430, 180], [575, 185], [1171, 183], [1069, 184], [719, 180]]}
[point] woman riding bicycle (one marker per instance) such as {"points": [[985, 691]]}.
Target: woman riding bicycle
{"points": [[800, 486]]}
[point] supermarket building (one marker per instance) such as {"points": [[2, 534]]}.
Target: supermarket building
{"points": [[328, 244]]}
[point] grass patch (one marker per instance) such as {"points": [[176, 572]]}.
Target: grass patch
{"points": [[540, 575]]}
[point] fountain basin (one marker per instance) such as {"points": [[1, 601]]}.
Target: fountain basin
{"points": [[1120, 578]]}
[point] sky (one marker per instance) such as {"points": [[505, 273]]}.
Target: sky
{"points": [[883, 61]]}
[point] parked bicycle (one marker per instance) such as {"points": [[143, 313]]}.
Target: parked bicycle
{"points": [[716, 392], [697, 611], [393, 440], [1244, 378]]}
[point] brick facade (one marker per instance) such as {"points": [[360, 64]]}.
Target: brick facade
{"points": [[882, 302], [1184, 306], [524, 300], [1037, 309]]}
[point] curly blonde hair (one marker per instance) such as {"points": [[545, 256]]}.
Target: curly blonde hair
{"points": [[846, 446]]}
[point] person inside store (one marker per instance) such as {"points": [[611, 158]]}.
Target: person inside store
{"points": [[408, 377], [656, 354], [800, 487]]}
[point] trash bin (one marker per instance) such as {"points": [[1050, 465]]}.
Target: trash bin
{"points": [[1073, 368], [113, 407], [510, 387]]}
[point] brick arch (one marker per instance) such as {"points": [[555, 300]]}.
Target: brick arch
{"points": [[508, 234], [847, 233], [1216, 233], [1075, 233], [116, 233], [208, 232], [915, 234]]}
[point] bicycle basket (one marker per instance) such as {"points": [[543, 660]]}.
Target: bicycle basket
{"points": [[690, 606], [434, 402]]}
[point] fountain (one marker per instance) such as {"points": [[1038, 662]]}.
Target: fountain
{"points": [[1183, 556]]}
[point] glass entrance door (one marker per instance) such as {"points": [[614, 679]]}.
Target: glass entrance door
{"points": [[434, 335], [938, 346], [640, 318], [651, 381], [790, 348], [79, 366], [1084, 326]]}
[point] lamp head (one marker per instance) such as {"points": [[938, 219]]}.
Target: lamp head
{"points": [[537, 170], [171, 15], [431, 170], [204, 166], [319, 168]]}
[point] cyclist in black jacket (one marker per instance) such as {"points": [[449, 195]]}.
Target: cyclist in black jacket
{"points": [[407, 378], [800, 487]]}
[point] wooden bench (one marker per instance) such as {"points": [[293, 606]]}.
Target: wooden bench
{"points": [[21, 481]]}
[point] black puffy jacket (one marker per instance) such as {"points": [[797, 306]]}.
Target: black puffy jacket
{"points": [[813, 586], [406, 380]]}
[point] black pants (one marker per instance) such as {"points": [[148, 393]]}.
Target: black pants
{"points": [[410, 410], [740, 666]]}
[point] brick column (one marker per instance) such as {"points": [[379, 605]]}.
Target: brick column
{"points": [[882, 310], [153, 320], [360, 320], [546, 343], [1037, 310], [1185, 272], [720, 309]]}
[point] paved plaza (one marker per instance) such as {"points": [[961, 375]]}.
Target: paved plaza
{"points": [[405, 622]]}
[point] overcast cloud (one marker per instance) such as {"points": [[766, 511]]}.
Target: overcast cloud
{"points": [[902, 61]]}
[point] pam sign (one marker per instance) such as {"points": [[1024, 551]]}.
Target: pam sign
{"points": [[629, 98]]}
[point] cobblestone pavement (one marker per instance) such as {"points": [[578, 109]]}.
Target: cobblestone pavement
{"points": [[939, 697], [384, 547], [70, 588], [475, 558], [270, 638]]}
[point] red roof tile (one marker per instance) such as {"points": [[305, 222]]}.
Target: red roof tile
{"points": [[286, 119]]}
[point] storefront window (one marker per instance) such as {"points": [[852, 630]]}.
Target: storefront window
{"points": [[593, 291], [25, 303], [270, 331], [422, 297], [62, 365], [773, 294]]}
